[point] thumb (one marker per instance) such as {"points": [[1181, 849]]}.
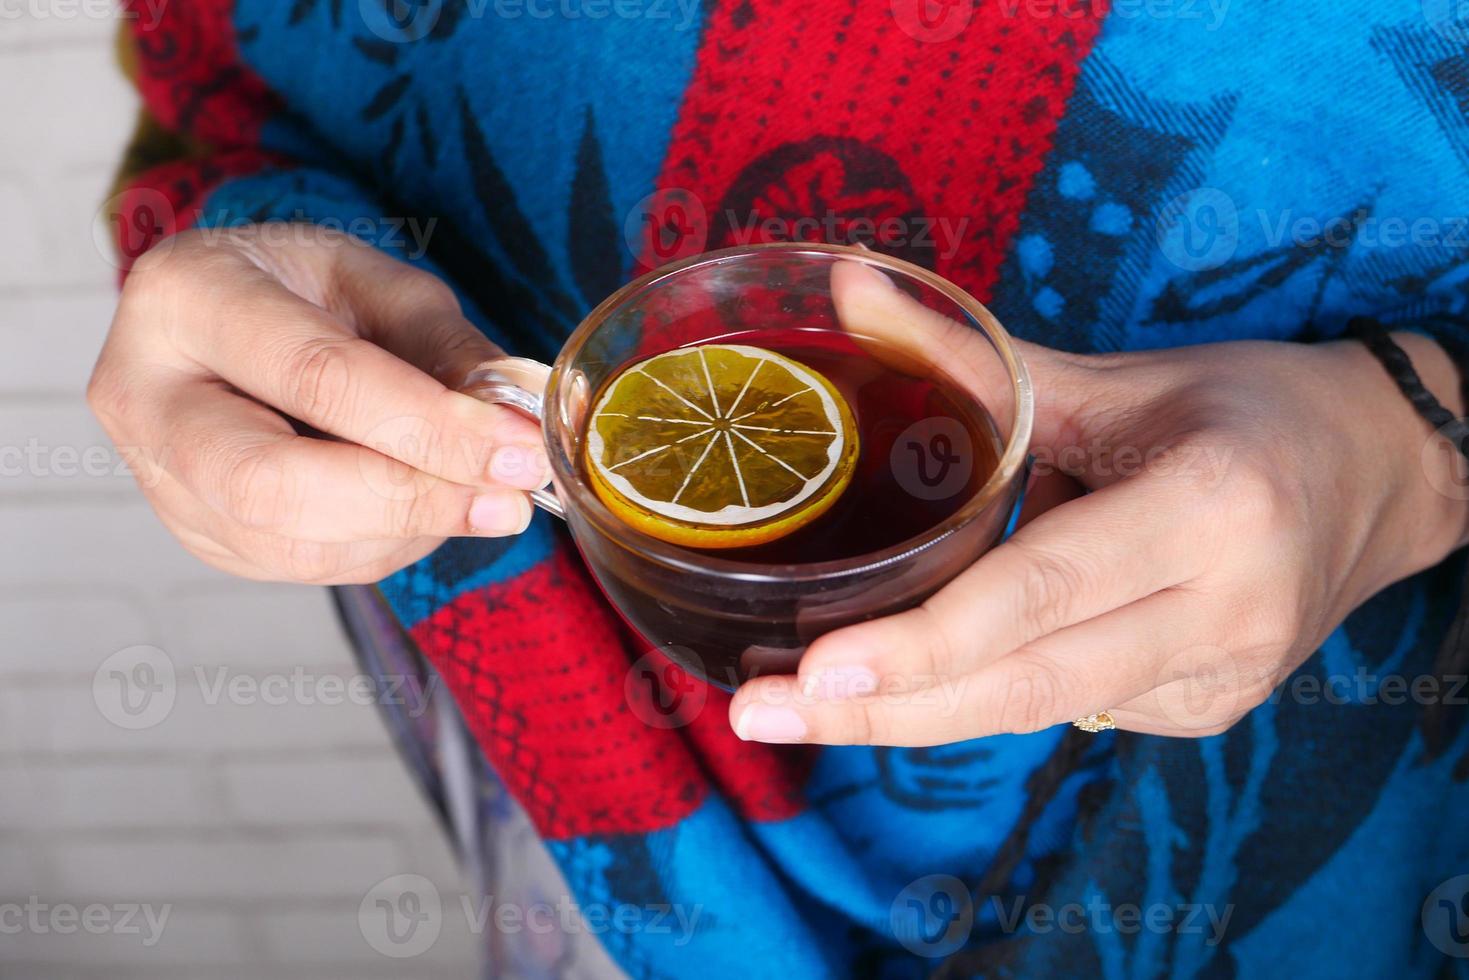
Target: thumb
{"points": [[1072, 393], [407, 311], [1084, 399], [1100, 417]]}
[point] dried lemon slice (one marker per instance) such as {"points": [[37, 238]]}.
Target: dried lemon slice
{"points": [[720, 446]]}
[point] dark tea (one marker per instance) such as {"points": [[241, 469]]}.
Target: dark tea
{"points": [[925, 448]]}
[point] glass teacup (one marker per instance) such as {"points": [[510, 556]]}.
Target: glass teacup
{"points": [[726, 616]]}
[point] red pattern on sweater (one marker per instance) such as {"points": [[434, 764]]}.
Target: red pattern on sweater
{"points": [[192, 78], [970, 118], [539, 667], [194, 82]]}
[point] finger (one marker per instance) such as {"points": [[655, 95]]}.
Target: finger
{"points": [[1080, 400], [398, 306], [247, 463], [298, 358], [1207, 693], [1073, 563], [1077, 397], [405, 310], [1091, 667], [1087, 668], [226, 545], [1140, 723], [911, 337], [914, 338]]}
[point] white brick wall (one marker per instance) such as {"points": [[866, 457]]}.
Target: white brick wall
{"points": [[260, 825]]}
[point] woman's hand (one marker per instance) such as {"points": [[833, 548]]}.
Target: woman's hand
{"points": [[286, 403], [1245, 497]]}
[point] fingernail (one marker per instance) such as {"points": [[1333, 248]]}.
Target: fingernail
{"points": [[496, 514], [522, 467], [839, 683], [770, 723]]}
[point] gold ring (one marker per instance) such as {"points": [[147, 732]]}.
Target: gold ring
{"points": [[1099, 722]]}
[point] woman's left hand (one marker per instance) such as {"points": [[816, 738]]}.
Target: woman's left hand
{"points": [[1245, 497]]}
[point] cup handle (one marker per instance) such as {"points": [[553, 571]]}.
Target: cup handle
{"points": [[493, 386]]}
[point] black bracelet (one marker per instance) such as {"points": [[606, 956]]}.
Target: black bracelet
{"points": [[1452, 659], [1400, 368]]}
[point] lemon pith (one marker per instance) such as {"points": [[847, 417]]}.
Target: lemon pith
{"points": [[720, 445]]}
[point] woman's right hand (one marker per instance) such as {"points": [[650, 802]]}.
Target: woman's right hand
{"points": [[285, 398]]}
